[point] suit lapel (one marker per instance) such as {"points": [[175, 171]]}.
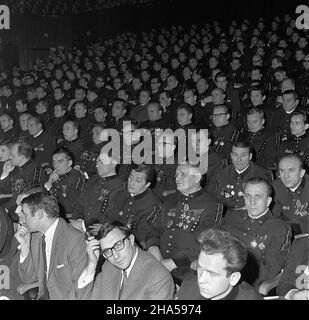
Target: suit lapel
{"points": [[57, 240], [133, 276]]}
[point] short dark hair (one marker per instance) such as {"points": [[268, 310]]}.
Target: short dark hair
{"points": [[257, 180], [108, 226], [292, 92], [235, 254], [74, 123], [242, 144], [62, 150], [146, 169], [185, 107], [42, 200], [256, 111], [293, 156]]}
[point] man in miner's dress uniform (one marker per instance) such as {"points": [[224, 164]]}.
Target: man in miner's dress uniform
{"points": [[229, 182], [65, 183], [267, 237], [97, 201], [138, 205], [298, 143], [184, 214], [292, 194]]}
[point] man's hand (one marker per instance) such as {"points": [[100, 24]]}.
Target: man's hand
{"points": [[54, 176], [23, 237], [7, 168], [155, 251], [95, 228], [169, 264], [93, 251]]}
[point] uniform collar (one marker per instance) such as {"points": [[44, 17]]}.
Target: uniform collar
{"points": [[257, 133], [301, 186], [108, 178], [191, 195], [300, 138], [260, 219], [140, 195]]}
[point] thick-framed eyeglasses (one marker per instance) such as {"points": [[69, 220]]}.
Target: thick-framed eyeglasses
{"points": [[118, 246]]}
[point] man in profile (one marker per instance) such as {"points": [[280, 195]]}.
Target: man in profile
{"points": [[221, 259]]}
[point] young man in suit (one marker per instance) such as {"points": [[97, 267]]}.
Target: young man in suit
{"points": [[128, 273], [51, 251], [221, 260]]}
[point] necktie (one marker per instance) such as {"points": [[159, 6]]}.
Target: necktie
{"points": [[45, 294], [123, 284]]}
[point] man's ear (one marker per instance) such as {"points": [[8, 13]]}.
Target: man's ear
{"points": [[234, 278]]}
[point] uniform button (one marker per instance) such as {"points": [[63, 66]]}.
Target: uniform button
{"points": [[167, 251], [169, 244], [171, 237], [173, 229]]}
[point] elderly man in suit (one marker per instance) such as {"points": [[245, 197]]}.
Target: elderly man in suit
{"points": [[51, 251], [128, 273]]}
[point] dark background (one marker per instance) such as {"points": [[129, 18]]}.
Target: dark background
{"points": [[30, 37]]}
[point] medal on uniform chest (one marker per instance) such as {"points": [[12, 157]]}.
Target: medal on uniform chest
{"points": [[253, 244], [169, 223], [64, 189], [229, 191], [120, 213]]}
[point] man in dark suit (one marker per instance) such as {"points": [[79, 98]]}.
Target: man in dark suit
{"points": [[221, 259], [128, 273], [52, 252]]}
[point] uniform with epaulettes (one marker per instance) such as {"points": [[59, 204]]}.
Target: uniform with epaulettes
{"points": [[97, 201], [137, 212], [229, 184], [268, 240], [223, 138], [67, 190], [9, 136], [295, 145], [280, 124], [178, 224], [293, 207], [263, 143], [29, 173]]}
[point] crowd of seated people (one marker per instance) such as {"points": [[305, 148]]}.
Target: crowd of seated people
{"points": [[49, 7], [79, 221]]}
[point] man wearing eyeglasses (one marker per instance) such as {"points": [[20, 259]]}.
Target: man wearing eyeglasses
{"points": [[224, 133], [128, 272]]}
